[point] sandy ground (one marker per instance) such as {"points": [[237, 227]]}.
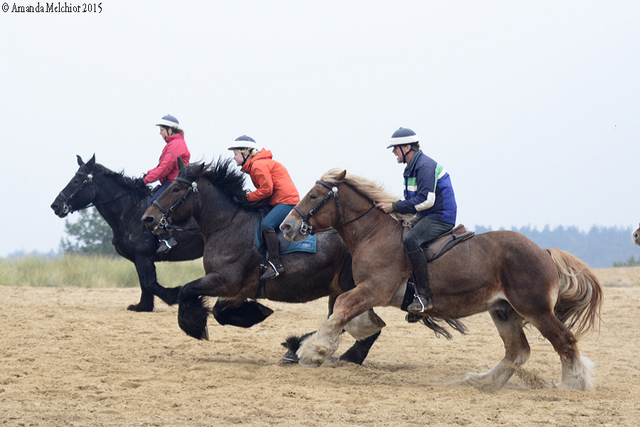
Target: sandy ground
{"points": [[71, 356]]}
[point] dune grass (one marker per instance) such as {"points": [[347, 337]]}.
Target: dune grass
{"points": [[91, 272]]}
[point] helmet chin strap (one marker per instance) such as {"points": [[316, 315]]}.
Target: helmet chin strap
{"points": [[404, 155], [244, 158]]}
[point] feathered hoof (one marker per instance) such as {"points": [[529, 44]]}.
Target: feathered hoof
{"points": [[312, 353]]}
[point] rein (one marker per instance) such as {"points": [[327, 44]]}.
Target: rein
{"points": [[306, 227]]}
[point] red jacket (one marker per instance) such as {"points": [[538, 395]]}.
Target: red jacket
{"points": [[167, 169], [271, 179]]}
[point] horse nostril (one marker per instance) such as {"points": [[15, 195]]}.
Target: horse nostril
{"points": [[285, 227], [147, 219]]}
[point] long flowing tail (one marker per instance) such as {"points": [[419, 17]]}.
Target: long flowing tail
{"points": [[580, 298]]}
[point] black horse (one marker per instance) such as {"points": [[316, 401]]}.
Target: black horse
{"points": [[121, 203], [211, 194]]}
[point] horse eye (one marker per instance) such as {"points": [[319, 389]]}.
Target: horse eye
{"points": [[176, 189], [313, 196]]}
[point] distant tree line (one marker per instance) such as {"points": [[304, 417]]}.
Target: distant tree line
{"points": [[600, 247]]}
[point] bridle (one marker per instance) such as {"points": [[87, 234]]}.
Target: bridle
{"points": [[165, 220], [306, 227], [66, 208]]}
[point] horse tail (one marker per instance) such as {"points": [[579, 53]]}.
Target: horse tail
{"points": [[580, 296]]}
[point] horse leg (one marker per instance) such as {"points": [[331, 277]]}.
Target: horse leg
{"points": [[517, 352], [146, 275], [149, 285], [364, 328], [577, 370], [325, 341]]}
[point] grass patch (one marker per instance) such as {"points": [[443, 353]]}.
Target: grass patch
{"points": [[91, 272]]}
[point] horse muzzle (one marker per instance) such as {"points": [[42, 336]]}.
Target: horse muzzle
{"points": [[60, 207], [292, 229]]}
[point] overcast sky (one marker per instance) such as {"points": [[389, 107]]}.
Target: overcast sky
{"points": [[532, 107]]}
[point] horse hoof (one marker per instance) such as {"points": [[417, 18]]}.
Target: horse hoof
{"points": [[290, 357], [310, 363], [138, 308]]}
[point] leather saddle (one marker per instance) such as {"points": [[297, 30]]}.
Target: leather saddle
{"points": [[441, 244]]}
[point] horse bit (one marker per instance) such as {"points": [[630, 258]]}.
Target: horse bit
{"points": [[306, 227]]}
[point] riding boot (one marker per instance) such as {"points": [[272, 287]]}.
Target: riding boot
{"points": [[275, 267], [166, 243], [422, 296]]}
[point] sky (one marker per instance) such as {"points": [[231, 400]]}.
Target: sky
{"points": [[533, 107]]}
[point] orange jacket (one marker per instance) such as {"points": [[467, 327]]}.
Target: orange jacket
{"points": [[271, 179]]}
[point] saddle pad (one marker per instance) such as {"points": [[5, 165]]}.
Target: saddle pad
{"points": [[310, 244], [441, 244]]}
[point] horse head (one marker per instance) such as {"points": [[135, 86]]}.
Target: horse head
{"points": [[79, 192], [636, 236], [178, 202], [311, 215]]}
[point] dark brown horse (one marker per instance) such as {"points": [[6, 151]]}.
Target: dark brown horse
{"points": [[501, 272], [210, 194]]}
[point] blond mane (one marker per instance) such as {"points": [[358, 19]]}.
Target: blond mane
{"points": [[367, 188]]}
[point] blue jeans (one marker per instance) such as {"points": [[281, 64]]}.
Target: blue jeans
{"points": [[159, 192], [424, 231], [275, 217]]}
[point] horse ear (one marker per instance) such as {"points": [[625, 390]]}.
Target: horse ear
{"points": [[340, 177], [80, 162], [180, 164], [92, 161]]}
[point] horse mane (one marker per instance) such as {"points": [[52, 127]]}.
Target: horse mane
{"points": [[223, 175], [125, 181], [366, 188]]}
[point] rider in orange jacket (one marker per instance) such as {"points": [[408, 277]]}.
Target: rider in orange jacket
{"points": [[273, 183]]}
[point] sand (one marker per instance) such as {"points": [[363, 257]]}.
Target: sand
{"points": [[73, 356]]}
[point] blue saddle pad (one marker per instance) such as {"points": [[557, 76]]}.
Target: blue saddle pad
{"points": [[286, 246]]}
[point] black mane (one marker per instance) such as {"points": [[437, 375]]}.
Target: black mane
{"points": [[125, 181], [223, 175]]}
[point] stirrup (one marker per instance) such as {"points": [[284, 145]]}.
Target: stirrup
{"points": [[420, 304], [271, 272], [166, 245]]}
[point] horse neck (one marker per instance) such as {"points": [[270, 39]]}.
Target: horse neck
{"points": [[374, 222], [112, 200], [215, 209]]}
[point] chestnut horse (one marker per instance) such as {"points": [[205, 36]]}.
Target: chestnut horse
{"points": [[502, 272], [212, 194]]}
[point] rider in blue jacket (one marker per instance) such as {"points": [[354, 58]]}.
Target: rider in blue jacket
{"points": [[429, 194]]}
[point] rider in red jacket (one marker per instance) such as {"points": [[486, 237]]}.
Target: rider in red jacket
{"points": [[167, 169]]}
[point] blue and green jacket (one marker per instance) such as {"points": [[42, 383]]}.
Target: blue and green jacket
{"points": [[427, 190]]}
